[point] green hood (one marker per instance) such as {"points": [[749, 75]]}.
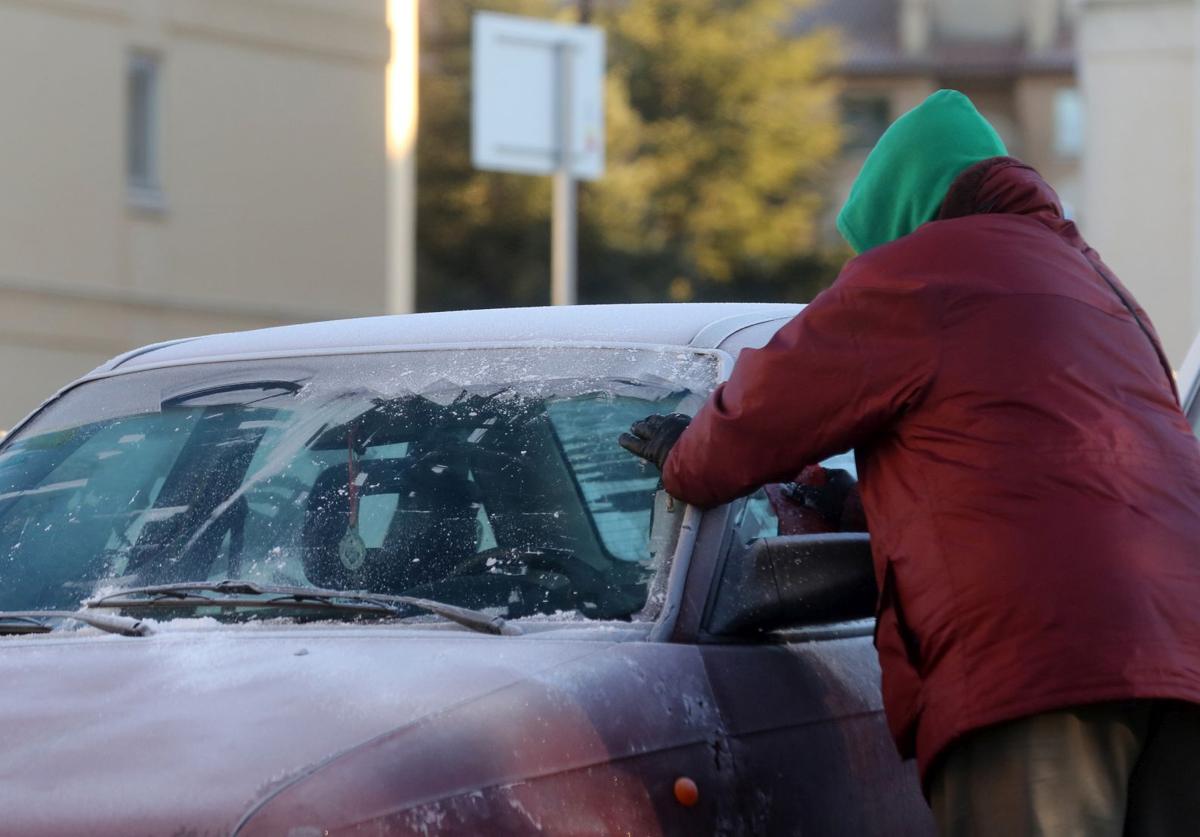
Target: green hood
{"points": [[907, 174]]}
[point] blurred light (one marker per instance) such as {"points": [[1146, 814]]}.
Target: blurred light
{"points": [[401, 118], [680, 289], [402, 78]]}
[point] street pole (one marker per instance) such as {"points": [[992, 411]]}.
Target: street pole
{"points": [[401, 119], [562, 230]]}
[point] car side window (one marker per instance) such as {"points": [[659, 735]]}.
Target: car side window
{"points": [[757, 518]]}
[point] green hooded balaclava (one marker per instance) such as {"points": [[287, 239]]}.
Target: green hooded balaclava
{"points": [[907, 174]]}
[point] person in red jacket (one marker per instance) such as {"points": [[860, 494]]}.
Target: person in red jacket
{"points": [[1031, 486]]}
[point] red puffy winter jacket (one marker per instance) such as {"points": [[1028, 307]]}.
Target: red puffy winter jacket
{"points": [[1031, 484]]}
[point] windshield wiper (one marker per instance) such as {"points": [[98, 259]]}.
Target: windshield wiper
{"points": [[232, 592], [31, 622]]}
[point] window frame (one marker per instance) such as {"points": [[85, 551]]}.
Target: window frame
{"points": [[1069, 120], [864, 116], [143, 134]]}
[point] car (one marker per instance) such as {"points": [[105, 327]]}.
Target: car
{"points": [[1189, 385], [395, 576]]}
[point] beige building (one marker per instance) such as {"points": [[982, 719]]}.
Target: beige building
{"points": [[175, 167], [1100, 95], [1141, 79], [1015, 59]]}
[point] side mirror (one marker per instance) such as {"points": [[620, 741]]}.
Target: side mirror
{"points": [[795, 581]]}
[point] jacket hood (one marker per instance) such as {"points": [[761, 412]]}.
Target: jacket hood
{"points": [[1001, 184], [907, 174]]}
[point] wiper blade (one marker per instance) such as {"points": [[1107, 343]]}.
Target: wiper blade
{"points": [[464, 616], [14, 624], [359, 601], [31, 621]]}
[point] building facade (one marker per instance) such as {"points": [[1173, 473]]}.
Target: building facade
{"points": [[1141, 181], [1015, 60], [177, 167], [1099, 95]]}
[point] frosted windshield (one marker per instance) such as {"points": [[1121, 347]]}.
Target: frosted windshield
{"points": [[489, 479]]}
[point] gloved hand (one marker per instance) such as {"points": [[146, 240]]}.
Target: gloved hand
{"points": [[832, 493], [653, 437]]}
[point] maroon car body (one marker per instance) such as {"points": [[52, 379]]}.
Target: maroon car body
{"points": [[751, 672]]}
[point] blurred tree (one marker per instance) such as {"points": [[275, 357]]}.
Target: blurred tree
{"points": [[719, 131], [720, 128], [482, 237]]}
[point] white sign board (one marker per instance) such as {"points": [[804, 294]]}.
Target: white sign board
{"points": [[525, 72]]}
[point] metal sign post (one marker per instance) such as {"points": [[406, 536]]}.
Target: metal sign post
{"points": [[563, 247], [538, 108]]}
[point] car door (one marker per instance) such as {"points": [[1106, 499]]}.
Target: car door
{"points": [[803, 710], [804, 719]]}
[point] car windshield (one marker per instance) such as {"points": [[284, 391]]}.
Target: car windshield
{"points": [[489, 479]]}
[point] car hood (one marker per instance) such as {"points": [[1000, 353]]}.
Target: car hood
{"points": [[183, 731]]}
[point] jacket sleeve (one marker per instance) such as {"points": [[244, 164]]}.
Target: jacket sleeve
{"points": [[832, 378]]}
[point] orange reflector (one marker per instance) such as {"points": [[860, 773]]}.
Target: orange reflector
{"points": [[686, 792]]}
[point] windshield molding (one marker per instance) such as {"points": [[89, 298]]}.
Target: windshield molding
{"points": [[724, 362], [723, 357], [681, 562]]}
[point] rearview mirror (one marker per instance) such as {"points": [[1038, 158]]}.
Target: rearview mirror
{"points": [[795, 581]]}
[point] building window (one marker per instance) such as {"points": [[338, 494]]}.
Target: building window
{"points": [[1068, 122], [864, 119], [141, 141]]}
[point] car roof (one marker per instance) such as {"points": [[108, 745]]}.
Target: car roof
{"points": [[700, 325]]}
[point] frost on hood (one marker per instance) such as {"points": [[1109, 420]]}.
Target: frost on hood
{"points": [[487, 478]]}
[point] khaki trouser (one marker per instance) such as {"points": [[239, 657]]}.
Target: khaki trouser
{"points": [[1109, 770]]}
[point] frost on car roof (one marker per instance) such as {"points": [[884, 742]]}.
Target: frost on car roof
{"points": [[666, 324]]}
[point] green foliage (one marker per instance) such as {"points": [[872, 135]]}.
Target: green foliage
{"points": [[482, 237], [719, 133]]}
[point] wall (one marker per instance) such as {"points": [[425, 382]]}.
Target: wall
{"points": [[1035, 103], [1138, 70], [973, 20], [272, 164]]}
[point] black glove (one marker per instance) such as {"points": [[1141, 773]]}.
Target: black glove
{"points": [[653, 437]]}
